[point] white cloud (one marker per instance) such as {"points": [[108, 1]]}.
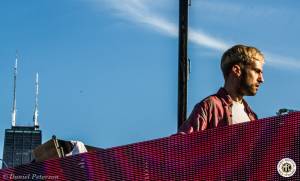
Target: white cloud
{"points": [[281, 61], [139, 11], [206, 40]]}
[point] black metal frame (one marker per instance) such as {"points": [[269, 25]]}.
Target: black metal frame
{"points": [[182, 61]]}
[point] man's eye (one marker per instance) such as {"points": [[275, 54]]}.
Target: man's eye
{"points": [[257, 70]]}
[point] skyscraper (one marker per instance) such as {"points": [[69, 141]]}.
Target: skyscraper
{"points": [[19, 141]]}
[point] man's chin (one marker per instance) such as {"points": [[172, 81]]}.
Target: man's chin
{"points": [[251, 92]]}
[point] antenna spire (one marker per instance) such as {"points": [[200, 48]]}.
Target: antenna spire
{"points": [[14, 109], [36, 114]]}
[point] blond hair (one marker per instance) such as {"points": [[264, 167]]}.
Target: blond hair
{"points": [[241, 55]]}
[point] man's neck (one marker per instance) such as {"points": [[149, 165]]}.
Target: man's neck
{"points": [[232, 91]]}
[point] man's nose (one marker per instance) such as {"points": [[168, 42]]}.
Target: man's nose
{"points": [[261, 78]]}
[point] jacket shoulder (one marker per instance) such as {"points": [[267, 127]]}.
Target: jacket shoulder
{"points": [[211, 100]]}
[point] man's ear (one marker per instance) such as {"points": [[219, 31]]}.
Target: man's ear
{"points": [[236, 69]]}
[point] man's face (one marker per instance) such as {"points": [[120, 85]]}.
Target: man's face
{"points": [[251, 78]]}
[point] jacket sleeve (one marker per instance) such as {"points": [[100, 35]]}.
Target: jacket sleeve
{"points": [[198, 120]]}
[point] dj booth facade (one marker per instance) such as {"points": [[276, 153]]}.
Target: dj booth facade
{"points": [[248, 151]]}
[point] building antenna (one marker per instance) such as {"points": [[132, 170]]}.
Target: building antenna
{"points": [[36, 112], [14, 109]]}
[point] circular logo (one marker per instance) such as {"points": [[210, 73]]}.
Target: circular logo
{"points": [[286, 167]]}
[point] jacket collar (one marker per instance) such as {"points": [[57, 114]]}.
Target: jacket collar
{"points": [[226, 98]]}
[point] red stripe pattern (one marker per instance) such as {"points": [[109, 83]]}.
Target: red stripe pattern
{"points": [[248, 151]]}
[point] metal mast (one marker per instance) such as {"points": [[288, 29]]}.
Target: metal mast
{"points": [[182, 61], [14, 108], [36, 114]]}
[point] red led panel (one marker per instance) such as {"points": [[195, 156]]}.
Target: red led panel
{"points": [[249, 151]]}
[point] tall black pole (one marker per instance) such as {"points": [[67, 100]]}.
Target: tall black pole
{"points": [[182, 61]]}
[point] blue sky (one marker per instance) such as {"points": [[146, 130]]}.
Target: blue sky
{"points": [[108, 68]]}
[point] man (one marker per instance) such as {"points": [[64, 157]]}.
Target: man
{"points": [[242, 68]]}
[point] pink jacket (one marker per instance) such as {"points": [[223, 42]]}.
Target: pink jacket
{"points": [[213, 111]]}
